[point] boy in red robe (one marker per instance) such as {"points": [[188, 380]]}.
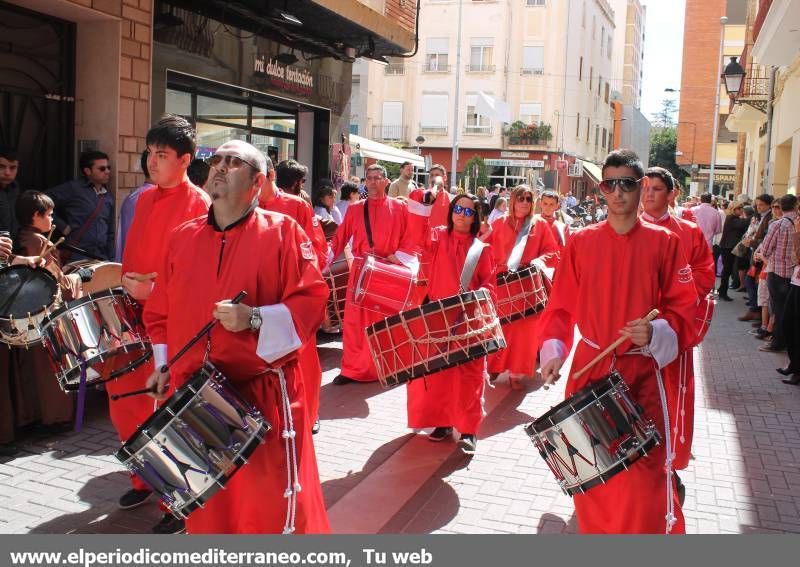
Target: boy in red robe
{"points": [[453, 397], [657, 198], [272, 198], [239, 246], [611, 275], [387, 220], [173, 201], [549, 201]]}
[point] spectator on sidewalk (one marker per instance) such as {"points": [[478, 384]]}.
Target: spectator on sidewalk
{"points": [[198, 172], [752, 239], [791, 320], [348, 194], [9, 190], [732, 232], [404, 184], [708, 219], [500, 209], [128, 207], [85, 208]]}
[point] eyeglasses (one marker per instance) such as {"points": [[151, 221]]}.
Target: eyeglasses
{"points": [[526, 199], [626, 184], [231, 162], [104, 167], [466, 211], [375, 179]]}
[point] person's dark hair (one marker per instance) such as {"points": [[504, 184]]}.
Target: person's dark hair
{"points": [[625, 158], [8, 153], [705, 198], [198, 172], [765, 198], [347, 189], [788, 203], [288, 172], [173, 131], [321, 193], [143, 164], [662, 174], [87, 159], [749, 212], [376, 167], [438, 166], [405, 163], [550, 194], [476, 218], [29, 203]]}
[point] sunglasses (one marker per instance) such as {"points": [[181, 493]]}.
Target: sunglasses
{"points": [[231, 162], [104, 167], [526, 199], [466, 211], [626, 184]]}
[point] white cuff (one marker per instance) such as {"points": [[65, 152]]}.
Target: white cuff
{"points": [[539, 263], [410, 261], [160, 357], [417, 208], [552, 348], [277, 336], [664, 343]]}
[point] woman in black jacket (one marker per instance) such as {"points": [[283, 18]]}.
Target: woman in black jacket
{"points": [[732, 231]]}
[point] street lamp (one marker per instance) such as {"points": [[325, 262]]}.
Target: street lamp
{"points": [[733, 77]]}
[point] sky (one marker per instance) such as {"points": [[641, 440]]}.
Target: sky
{"points": [[663, 53]]}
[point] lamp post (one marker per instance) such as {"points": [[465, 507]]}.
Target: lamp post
{"points": [[734, 77], [457, 110], [723, 20]]}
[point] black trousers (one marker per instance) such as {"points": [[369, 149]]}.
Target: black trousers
{"points": [[727, 269], [778, 290], [791, 327]]}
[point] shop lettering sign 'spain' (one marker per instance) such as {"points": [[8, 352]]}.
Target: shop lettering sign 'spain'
{"points": [[286, 77]]}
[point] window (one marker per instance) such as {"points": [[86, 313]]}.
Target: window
{"points": [[588, 128], [594, 27], [433, 114], [580, 70], [534, 3], [596, 135], [436, 55], [391, 127], [476, 123], [608, 91], [605, 138], [602, 40], [530, 112], [395, 67], [533, 60], [591, 79], [611, 45], [599, 84], [480, 58], [578, 126]]}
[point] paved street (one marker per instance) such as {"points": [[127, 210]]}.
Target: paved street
{"points": [[379, 477]]}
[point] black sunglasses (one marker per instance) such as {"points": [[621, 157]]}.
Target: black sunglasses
{"points": [[626, 184], [466, 211], [232, 162], [526, 199]]}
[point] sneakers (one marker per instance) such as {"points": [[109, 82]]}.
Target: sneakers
{"points": [[725, 298], [440, 434], [134, 498], [169, 525], [315, 427], [467, 443], [341, 380]]}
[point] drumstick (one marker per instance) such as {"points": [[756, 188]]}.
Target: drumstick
{"points": [[165, 367], [47, 247], [116, 397], [649, 317]]}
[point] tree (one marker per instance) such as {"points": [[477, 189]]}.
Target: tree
{"points": [[664, 117], [475, 163], [663, 142], [392, 169]]}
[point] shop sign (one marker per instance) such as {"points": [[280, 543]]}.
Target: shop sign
{"points": [[515, 155], [535, 163], [286, 77]]}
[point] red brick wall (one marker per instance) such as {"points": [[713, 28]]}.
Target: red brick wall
{"points": [[403, 12]]}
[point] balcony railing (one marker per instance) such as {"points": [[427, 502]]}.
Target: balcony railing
{"points": [[532, 71], [481, 68], [433, 130], [395, 69], [389, 132], [756, 82], [763, 10], [478, 130], [435, 68]]}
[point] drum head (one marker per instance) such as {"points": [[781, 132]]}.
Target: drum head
{"points": [[576, 402], [25, 290]]}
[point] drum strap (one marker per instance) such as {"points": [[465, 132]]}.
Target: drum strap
{"points": [[515, 258], [473, 255], [367, 225]]}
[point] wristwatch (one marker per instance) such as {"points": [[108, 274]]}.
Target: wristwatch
{"points": [[255, 319]]}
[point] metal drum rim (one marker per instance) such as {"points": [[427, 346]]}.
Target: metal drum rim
{"points": [[81, 301]]}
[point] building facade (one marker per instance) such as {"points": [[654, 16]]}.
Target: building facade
{"points": [[550, 62]]}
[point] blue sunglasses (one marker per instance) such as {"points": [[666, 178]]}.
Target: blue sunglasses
{"points": [[466, 211]]}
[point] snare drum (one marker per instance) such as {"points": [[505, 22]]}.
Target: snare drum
{"points": [[337, 277], [384, 287], [521, 294], [436, 336], [593, 435], [103, 330], [193, 444], [105, 275], [27, 296], [702, 318]]}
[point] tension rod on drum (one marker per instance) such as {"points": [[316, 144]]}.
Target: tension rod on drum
{"points": [[165, 368]]}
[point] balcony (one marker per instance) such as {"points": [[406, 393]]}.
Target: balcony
{"points": [[433, 130], [521, 134], [480, 68], [775, 41], [395, 69], [532, 71], [389, 132], [436, 68], [477, 130]]}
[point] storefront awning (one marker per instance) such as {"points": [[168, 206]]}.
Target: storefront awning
{"points": [[593, 171], [376, 150]]}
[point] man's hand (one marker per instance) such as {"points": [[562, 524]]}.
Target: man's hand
{"points": [[30, 261], [158, 382], [639, 331], [139, 286], [393, 259], [551, 371], [797, 224], [233, 317], [6, 246]]}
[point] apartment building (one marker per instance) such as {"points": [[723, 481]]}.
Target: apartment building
{"points": [[550, 61]]}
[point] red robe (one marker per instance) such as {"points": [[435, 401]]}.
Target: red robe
{"points": [[388, 222], [269, 256], [308, 358], [681, 394], [522, 335], [158, 212], [560, 231], [605, 280], [452, 397]]}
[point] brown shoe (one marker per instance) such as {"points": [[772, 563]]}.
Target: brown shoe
{"points": [[756, 324], [750, 316]]}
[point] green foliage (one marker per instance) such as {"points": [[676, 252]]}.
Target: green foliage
{"points": [[663, 143], [664, 117], [483, 176], [392, 169], [521, 134]]}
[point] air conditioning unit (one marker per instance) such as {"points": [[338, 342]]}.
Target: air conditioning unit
{"points": [[575, 169]]}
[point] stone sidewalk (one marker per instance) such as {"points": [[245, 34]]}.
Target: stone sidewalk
{"points": [[379, 477]]}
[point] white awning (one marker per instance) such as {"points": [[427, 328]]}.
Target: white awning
{"points": [[592, 170], [376, 150]]}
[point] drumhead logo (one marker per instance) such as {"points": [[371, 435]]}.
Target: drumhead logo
{"points": [[685, 275], [306, 250]]}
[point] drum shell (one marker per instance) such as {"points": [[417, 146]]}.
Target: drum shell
{"points": [[337, 277], [384, 287], [195, 442], [105, 275], [23, 329], [104, 329], [427, 339], [703, 315], [593, 435], [521, 294]]}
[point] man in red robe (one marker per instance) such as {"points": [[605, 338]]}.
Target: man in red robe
{"points": [[549, 201], [428, 208], [612, 274], [239, 246], [386, 234], [273, 198], [173, 201], [656, 200]]}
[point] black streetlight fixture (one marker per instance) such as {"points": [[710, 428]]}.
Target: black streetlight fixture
{"points": [[733, 77]]}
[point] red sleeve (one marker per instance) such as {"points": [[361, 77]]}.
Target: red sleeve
{"points": [[308, 220], [155, 310], [678, 295], [558, 319], [702, 262], [548, 247], [486, 273], [343, 233]]}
